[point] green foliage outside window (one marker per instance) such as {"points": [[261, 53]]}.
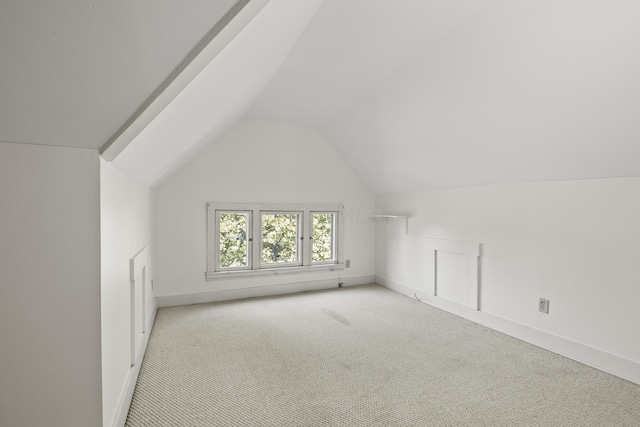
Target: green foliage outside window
{"points": [[279, 238], [233, 240], [322, 237]]}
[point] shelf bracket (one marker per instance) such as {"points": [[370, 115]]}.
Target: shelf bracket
{"points": [[387, 216]]}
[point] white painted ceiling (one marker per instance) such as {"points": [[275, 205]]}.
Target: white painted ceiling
{"points": [[422, 95], [351, 47], [73, 71], [414, 94], [220, 95]]}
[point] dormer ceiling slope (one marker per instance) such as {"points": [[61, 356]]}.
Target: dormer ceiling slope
{"points": [[414, 94], [219, 95], [420, 95], [74, 71]]}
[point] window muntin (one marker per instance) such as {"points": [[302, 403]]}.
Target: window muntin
{"points": [[234, 238], [280, 238], [323, 249]]}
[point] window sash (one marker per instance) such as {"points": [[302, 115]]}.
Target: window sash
{"points": [[297, 239], [333, 259], [248, 241]]}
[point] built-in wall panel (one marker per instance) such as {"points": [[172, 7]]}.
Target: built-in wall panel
{"points": [[452, 277], [455, 270], [49, 287], [127, 298], [572, 242], [256, 162], [138, 302]]}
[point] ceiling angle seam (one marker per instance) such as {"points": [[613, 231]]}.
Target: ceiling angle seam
{"points": [[216, 39]]}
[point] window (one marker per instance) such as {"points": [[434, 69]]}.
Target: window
{"points": [[280, 234], [233, 239], [322, 237], [254, 239]]}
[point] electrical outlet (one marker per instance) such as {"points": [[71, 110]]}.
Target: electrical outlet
{"points": [[543, 305], [347, 263]]}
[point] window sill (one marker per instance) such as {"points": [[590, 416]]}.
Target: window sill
{"points": [[221, 275]]}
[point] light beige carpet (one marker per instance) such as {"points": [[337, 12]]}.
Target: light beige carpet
{"points": [[361, 356]]}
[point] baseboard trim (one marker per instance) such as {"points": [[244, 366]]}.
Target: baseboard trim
{"points": [[132, 378], [607, 362], [260, 291]]}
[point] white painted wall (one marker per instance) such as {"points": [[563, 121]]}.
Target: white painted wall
{"points": [[258, 162], [573, 242], [125, 230], [49, 287]]}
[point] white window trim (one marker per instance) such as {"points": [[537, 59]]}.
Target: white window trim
{"points": [[214, 272]]}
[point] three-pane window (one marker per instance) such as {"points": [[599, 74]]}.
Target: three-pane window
{"points": [[258, 237]]}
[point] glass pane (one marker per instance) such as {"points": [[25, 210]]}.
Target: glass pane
{"points": [[323, 237], [279, 238], [233, 239]]}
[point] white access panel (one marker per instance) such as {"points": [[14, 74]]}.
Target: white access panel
{"points": [[138, 280], [456, 270]]}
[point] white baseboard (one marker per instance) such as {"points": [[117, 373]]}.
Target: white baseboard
{"points": [[607, 362], [260, 291], [125, 399]]}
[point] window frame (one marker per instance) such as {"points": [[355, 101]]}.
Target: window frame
{"points": [[334, 248], [255, 266]]}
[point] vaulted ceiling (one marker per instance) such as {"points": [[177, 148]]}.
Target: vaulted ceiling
{"points": [[414, 94], [74, 71]]}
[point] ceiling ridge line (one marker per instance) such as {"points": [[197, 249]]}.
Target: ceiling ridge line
{"points": [[205, 51]]}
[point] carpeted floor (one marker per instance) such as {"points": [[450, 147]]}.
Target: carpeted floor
{"points": [[361, 356]]}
